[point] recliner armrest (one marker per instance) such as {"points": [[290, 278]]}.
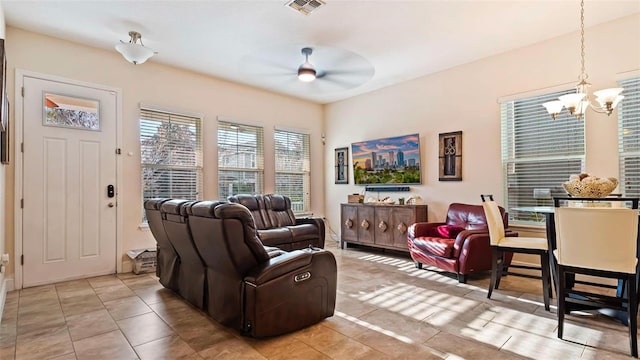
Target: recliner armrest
{"points": [[422, 229], [318, 222], [310, 220], [279, 266]]}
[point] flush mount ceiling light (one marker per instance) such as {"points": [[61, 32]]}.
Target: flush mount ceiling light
{"points": [[133, 51], [578, 102], [306, 72]]}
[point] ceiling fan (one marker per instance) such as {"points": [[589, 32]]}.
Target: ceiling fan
{"points": [[338, 69]]}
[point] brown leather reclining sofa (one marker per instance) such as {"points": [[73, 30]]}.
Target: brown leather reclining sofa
{"points": [[460, 244], [215, 260], [276, 224]]}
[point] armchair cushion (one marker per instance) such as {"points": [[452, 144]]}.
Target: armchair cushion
{"points": [[437, 245], [445, 231]]}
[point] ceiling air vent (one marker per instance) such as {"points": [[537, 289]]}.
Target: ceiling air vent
{"points": [[304, 6]]}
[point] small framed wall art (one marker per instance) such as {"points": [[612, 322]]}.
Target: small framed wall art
{"points": [[450, 156], [342, 171]]}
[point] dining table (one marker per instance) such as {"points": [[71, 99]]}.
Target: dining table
{"points": [[550, 227]]}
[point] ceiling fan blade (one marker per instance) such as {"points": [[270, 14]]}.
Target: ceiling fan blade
{"points": [[341, 82]]}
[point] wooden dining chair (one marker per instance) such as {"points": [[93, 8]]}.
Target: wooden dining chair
{"points": [[600, 242], [501, 244]]}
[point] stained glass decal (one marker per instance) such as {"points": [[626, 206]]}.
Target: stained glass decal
{"points": [[71, 112]]}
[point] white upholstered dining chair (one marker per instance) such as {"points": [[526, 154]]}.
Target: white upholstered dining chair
{"points": [[501, 244], [599, 242]]}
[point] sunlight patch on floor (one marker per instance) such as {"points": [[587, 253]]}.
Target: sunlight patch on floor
{"points": [[376, 328]]}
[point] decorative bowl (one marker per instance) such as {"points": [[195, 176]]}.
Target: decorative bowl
{"points": [[588, 186]]}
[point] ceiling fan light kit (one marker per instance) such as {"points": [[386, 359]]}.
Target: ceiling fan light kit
{"points": [[578, 102], [134, 52], [306, 72]]}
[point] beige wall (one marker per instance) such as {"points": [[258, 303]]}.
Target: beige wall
{"points": [[462, 98], [3, 191], [169, 87], [465, 98]]}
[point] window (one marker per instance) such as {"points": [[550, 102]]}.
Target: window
{"points": [[240, 159], [293, 168], [538, 153], [171, 154], [629, 138]]}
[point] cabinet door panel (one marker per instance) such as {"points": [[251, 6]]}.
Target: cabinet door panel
{"points": [[402, 219], [383, 230], [349, 223], [366, 224]]}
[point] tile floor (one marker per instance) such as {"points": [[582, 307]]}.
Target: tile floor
{"points": [[386, 309]]}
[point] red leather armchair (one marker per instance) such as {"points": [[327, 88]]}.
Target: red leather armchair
{"points": [[459, 245]]}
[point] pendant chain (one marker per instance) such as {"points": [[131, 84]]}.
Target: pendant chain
{"points": [[583, 75]]}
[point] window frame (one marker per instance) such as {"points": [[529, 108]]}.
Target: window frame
{"points": [[258, 162], [151, 113], [304, 170], [629, 137], [529, 152]]}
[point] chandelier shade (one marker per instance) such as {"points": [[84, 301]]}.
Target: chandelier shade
{"points": [[578, 102], [134, 52]]}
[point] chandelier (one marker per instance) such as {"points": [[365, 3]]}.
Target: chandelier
{"points": [[577, 103]]}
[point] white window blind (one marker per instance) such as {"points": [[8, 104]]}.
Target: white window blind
{"points": [[240, 159], [293, 168], [629, 138], [171, 154], [538, 153]]}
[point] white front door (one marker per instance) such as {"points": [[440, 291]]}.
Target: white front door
{"points": [[69, 164]]}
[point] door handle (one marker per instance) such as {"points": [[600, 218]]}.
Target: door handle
{"points": [[111, 191], [111, 204]]}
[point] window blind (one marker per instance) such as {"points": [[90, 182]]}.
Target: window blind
{"points": [[538, 153], [171, 155], [240, 159], [292, 157], [629, 138]]}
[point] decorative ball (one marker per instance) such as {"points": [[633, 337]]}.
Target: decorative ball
{"points": [[588, 186]]}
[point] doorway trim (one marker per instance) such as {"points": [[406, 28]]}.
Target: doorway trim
{"points": [[20, 74]]}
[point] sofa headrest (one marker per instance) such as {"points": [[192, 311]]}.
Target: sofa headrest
{"points": [[176, 207], [279, 210], [278, 202], [155, 203], [204, 208], [252, 202]]}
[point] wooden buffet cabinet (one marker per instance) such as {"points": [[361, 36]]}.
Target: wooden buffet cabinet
{"points": [[382, 226]]}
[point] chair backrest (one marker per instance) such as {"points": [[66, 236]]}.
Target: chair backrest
{"points": [[257, 207], [597, 238], [279, 210], [168, 259], [494, 221], [608, 202], [225, 235], [154, 219]]}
